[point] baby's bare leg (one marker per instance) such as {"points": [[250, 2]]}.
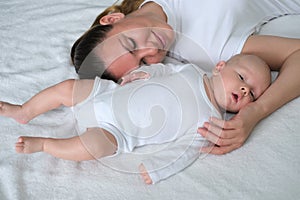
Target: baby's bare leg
{"points": [[13, 111], [48, 99], [94, 143]]}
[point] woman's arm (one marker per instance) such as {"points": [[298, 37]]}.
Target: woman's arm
{"points": [[282, 54]]}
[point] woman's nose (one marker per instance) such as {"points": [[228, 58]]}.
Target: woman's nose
{"points": [[150, 55], [245, 91], [147, 51]]}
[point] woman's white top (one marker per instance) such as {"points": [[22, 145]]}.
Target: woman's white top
{"points": [[213, 30]]}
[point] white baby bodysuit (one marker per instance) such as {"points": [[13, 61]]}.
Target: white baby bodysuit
{"points": [[167, 108]]}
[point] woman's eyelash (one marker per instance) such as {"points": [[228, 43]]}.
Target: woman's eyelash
{"points": [[128, 43], [132, 44]]}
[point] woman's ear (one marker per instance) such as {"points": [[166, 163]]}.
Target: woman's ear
{"points": [[111, 18], [219, 67]]}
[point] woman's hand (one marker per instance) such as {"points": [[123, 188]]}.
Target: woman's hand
{"points": [[229, 135]]}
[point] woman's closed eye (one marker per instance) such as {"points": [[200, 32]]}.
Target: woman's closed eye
{"points": [[129, 44], [132, 45]]}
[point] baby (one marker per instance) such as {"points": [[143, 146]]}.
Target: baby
{"points": [[113, 119]]}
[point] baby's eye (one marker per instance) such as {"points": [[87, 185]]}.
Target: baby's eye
{"points": [[143, 62], [241, 77], [252, 95]]}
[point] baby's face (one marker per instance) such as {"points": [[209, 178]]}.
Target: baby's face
{"points": [[238, 84]]}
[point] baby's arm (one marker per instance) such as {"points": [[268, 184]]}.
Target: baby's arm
{"points": [[65, 93], [154, 70], [181, 153], [145, 175]]}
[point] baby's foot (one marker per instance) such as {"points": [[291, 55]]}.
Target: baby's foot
{"points": [[13, 111], [29, 144]]}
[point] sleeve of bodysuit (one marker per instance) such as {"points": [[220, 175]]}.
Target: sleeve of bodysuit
{"points": [[175, 157], [160, 69]]}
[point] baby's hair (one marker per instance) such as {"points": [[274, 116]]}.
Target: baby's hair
{"points": [[236, 58], [240, 57]]}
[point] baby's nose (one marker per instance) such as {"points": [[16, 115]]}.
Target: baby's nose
{"points": [[245, 91]]}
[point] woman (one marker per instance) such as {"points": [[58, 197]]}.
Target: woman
{"points": [[210, 31]]}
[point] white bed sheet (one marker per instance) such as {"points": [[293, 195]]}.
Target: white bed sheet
{"points": [[36, 37]]}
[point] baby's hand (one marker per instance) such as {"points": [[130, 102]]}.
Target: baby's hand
{"points": [[143, 171], [133, 76]]}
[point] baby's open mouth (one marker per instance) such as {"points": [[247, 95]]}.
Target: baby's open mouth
{"points": [[235, 97]]}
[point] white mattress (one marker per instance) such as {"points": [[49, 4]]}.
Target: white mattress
{"points": [[36, 37]]}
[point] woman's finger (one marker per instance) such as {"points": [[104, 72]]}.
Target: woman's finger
{"points": [[230, 124], [208, 135], [219, 150], [212, 137]]}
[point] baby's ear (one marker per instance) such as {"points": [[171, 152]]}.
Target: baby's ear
{"points": [[111, 18], [219, 67]]}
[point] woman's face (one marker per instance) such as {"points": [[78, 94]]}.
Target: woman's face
{"points": [[133, 41]]}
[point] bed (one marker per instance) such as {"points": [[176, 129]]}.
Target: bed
{"points": [[36, 37]]}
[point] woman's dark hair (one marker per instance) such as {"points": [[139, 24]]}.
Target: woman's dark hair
{"points": [[87, 42], [91, 38]]}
